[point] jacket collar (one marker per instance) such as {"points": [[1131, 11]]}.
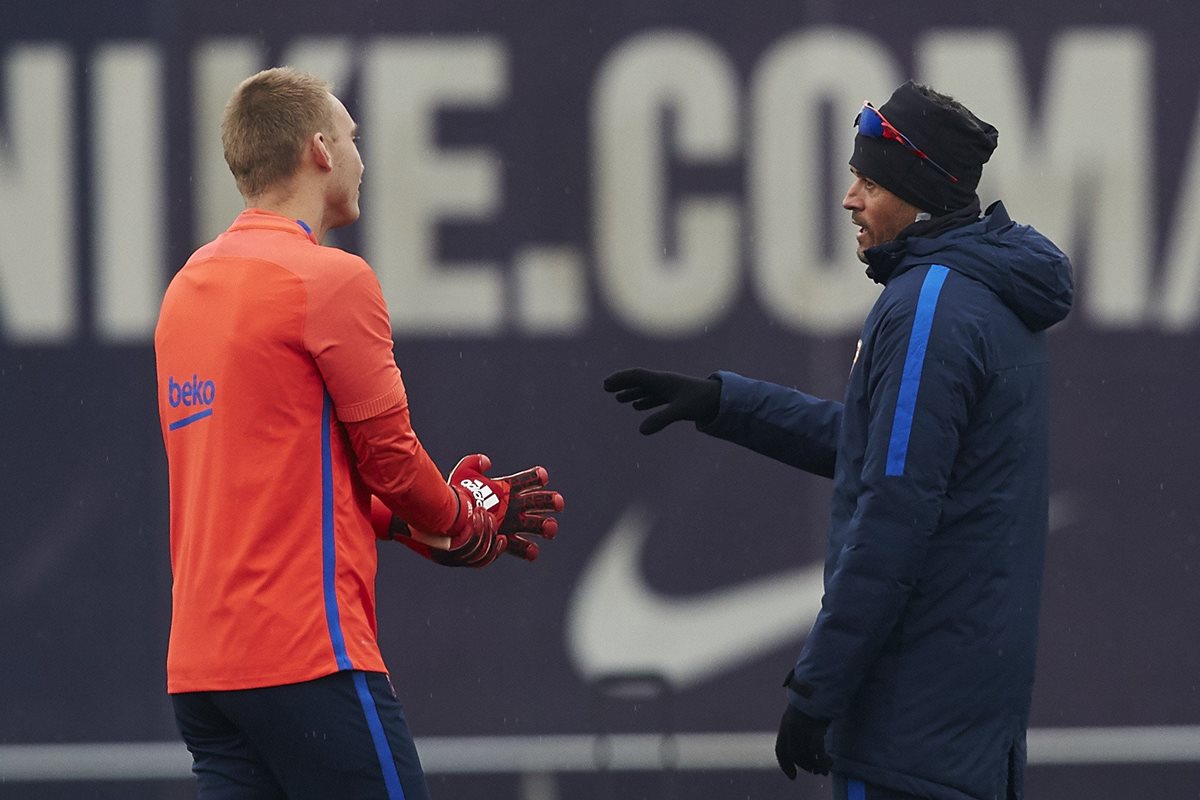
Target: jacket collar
{"points": [[268, 220], [883, 259]]}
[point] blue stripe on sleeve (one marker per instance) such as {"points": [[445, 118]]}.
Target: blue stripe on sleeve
{"points": [[328, 545], [391, 778], [914, 363], [855, 789]]}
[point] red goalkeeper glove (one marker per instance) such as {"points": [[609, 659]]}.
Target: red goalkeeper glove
{"points": [[528, 512], [475, 539], [496, 514]]}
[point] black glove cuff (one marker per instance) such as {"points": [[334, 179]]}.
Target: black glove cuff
{"points": [[709, 405]]}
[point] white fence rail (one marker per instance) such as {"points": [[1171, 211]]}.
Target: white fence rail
{"points": [[132, 761]]}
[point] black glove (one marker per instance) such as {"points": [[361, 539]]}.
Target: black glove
{"points": [[696, 399], [801, 743]]}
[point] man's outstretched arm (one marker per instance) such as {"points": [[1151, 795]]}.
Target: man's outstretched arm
{"points": [[782, 423]]}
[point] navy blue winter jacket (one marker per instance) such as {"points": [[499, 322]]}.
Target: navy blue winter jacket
{"points": [[923, 652]]}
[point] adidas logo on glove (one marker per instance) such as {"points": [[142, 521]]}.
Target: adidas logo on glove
{"points": [[482, 493]]}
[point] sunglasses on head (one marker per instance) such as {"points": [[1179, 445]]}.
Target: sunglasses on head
{"points": [[871, 123]]}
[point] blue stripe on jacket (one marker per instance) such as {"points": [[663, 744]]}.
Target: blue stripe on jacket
{"points": [[328, 545], [914, 363]]}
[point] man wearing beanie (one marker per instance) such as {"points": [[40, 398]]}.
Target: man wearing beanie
{"points": [[915, 680]]}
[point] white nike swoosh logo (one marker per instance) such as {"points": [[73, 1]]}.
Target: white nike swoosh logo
{"points": [[617, 624]]}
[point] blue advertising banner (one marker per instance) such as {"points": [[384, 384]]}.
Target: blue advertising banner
{"points": [[554, 191]]}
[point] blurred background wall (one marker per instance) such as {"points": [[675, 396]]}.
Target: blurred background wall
{"points": [[555, 190]]}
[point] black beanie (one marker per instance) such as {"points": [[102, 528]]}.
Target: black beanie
{"points": [[956, 139]]}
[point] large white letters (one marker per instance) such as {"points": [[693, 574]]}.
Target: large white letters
{"points": [[1076, 159], [129, 224], [218, 66], [38, 273], [796, 184], [413, 184], [667, 274], [1081, 175], [1179, 302]]}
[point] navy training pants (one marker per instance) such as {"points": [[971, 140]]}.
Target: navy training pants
{"points": [[343, 735]]}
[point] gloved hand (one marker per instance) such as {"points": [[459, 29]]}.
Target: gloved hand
{"points": [[475, 540], [528, 512], [686, 398], [496, 513], [801, 743]]}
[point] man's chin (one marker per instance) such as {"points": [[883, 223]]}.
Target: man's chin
{"points": [[349, 216]]}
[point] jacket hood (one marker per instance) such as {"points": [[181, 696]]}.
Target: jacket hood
{"points": [[1024, 268]]}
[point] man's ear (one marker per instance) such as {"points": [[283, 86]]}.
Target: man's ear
{"points": [[319, 146]]}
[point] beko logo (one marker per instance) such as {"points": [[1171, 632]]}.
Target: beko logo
{"points": [[194, 393]]}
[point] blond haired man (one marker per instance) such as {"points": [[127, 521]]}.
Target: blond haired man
{"points": [[290, 453]]}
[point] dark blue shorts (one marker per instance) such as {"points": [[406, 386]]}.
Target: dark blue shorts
{"points": [[343, 735]]}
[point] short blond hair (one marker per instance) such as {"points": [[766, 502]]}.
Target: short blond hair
{"points": [[266, 123]]}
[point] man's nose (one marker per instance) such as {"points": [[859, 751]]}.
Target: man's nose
{"points": [[851, 201]]}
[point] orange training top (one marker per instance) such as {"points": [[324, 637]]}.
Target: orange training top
{"points": [[266, 345]]}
